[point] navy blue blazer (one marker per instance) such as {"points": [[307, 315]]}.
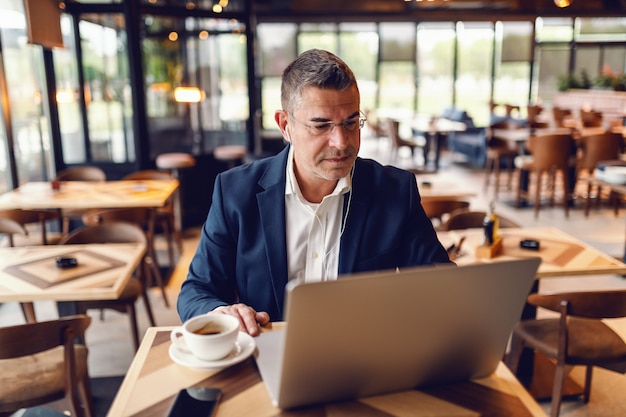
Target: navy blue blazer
{"points": [[242, 254]]}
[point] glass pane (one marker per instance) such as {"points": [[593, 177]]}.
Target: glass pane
{"points": [[319, 40], [107, 88], [397, 90], [68, 105], [554, 29], [397, 40], [277, 44], [553, 63], [435, 66], [233, 81], [360, 51], [473, 83], [587, 62], [24, 75], [601, 29], [270, 101], [512, 69], [614, 59]]}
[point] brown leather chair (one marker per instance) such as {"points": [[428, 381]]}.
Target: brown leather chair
{"points": [[499, 151], [142, 217], [590, 118], [164, 215], [577, 337], [82, 173], [592, 149], [559, 115], [551, 154], [440, 209], [464, 219], [41, 363], [392, 132], [38, 219], [117, 232]]}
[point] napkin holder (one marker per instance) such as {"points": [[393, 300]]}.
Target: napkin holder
{"points": [[490, 251]]}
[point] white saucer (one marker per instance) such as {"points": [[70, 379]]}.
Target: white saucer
{"points": [[244, 346]]}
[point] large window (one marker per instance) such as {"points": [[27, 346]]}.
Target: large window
{"points": [[30, 132], [473, 82], [435, 66], [512, 63], [397, 87]]}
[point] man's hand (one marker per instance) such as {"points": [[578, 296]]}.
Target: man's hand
{"points": [[249, 319]]}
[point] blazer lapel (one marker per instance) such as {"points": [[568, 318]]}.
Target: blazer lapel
{"points": [[271, 204]]}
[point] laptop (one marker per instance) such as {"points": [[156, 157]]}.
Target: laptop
{"points": [[374, 333]]}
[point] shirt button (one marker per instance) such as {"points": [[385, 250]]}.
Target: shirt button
{"points": [[315, 255]]}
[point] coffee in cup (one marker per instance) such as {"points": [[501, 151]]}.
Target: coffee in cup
{"points": [[208, 337]]}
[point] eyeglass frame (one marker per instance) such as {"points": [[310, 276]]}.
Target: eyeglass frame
{"points": [[329, 126]]}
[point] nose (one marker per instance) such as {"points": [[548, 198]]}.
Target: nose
{"points": [[338, 137]]}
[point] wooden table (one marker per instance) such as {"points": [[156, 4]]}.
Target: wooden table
{"points": [[30, 273], [438, 187], [153, 381], [434, 130], [88, 195], [561, 253]]}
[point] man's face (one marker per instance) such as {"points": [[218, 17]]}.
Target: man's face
{"points": [[323, 151]]}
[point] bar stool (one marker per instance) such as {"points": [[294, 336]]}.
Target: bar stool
{"points": [[232, 155], [174, 162]]}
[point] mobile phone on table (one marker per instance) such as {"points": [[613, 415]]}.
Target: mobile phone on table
{"points": [[196, 402]]}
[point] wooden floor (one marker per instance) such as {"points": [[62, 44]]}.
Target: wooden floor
{"points": [[111, 348]]}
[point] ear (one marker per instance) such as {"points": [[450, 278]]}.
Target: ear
{"points": [[282, 120]]}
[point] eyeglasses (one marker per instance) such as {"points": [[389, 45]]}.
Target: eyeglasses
{"points": [[321, 129]]}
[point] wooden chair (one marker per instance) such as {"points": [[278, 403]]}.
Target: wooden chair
{"points": [[41, 363], [551, 154], [590, 118], [559, 115], [117, 232], [591, 150], [464, 219], [37, 219], [577, 337], [392, 132], [164, 215], [82, 173], [533, 111], [142, 217], [499, 151], [11, 228], [439, 209]]}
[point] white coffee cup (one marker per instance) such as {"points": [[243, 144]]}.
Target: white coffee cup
{"points": [[208, 337]]}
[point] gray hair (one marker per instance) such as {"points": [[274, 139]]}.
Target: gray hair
{"points": [[314, 68]]}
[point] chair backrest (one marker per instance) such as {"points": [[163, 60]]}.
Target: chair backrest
{"points": [[114, 232], [590, 118], [10, 227], [463, 219], [86, 173], [148, 174], [559, 114], [552, 151], [141, 216], [587, 304], [35, 338], [595, 148], [30, 338], [31, 216], [392, 129], [437, 209]]}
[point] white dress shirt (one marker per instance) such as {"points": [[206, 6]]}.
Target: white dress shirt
{"points": [[313, 230]]}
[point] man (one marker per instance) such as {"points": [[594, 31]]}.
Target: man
{"points": [[314, 211]]}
